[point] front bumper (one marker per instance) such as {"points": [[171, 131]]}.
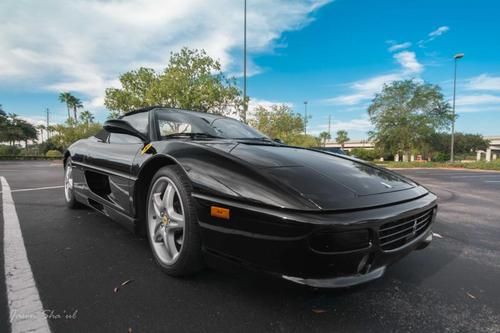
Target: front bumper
{"points": [[280, 242]]}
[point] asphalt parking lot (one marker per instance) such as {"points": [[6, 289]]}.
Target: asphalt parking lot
{"points": [[78, 257]]}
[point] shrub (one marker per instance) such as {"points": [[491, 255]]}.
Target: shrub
{"points": [[364, 154], [53, 153], [441, 157], [8, 150]]}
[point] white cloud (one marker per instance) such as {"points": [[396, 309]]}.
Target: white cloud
{"points": [[255, 102], [484, 82], [439, 31], [366, 89], [408, 61], [361, 124], [83, 46], [401, 46], [363, 90], [433, 35], [358, 124], [478, 100]]}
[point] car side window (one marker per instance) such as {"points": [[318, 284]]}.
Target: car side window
{"points": [[139, 121], [119, 138]]}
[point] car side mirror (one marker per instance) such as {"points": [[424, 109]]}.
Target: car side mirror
{"points": [[123, 127]]}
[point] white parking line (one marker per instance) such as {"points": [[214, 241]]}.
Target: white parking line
{"points": [[35, 188], [492, 181], [25, 307]]}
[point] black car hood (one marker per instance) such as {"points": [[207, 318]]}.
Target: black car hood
{"points": [[331, 181]]}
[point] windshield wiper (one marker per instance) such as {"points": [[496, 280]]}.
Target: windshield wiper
{"points": [[192, 135]]}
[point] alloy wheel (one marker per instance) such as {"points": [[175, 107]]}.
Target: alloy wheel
{"points": [[166, 220]]}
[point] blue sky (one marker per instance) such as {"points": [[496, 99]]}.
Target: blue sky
{"points": [[334, 54]]}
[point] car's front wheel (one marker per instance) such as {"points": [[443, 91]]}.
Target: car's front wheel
{"points": [[69, 194], [172, 225]]}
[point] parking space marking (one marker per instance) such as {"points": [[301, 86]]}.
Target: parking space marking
{"points": [[25, 307], [35, 188], [492, 181]]}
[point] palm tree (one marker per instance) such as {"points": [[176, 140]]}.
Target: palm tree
{"points": [[27, 132], [75, 103], [87, 117], [65, 97], [342, 137], [324, 136]]}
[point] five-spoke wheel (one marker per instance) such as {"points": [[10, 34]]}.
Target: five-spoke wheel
{"points": [[166, 220], [172, 226]]}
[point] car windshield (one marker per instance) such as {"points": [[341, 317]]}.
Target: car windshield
{"points": [[172, 123]]}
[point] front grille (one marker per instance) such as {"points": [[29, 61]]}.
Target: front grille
{"points": [[397, 233]]}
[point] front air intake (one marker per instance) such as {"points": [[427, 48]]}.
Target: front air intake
{"points": [[395, 234]]}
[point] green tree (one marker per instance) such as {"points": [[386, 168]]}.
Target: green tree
{"points": [[192, 80], [86, 117], [3, 124], [324, 136], [465, 144], [280, 122], [342, 137], [75, 103], [28, 131], [65, 134], [12, 133], [364, 154], [405, 114], [15, 129], [66, 97]]}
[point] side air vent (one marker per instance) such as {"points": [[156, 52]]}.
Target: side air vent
{"points": [[98, 183]]}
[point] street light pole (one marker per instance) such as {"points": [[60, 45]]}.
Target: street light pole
{"points": [[47, 129], [245, 104], [452, 153], [305, 117]]}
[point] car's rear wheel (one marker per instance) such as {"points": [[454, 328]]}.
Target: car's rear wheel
{"points": [[69, 192], [172, 225]]}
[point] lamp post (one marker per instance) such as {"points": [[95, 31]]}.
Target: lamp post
{"points": [[245, 104], [305, 117], [456, 57]]}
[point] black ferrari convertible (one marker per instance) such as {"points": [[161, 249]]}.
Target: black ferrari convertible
{"points": [[200, 185]]}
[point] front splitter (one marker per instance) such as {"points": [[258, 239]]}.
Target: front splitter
{"points": [[338, 282]]}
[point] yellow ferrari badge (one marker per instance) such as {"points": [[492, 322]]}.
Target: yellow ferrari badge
{"points": [[146, 148]]}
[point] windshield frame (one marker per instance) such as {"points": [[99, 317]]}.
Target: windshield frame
{"points": [[211, 132]]}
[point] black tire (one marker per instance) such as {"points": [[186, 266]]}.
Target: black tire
{"points": [[189, 260], [69, 195]]}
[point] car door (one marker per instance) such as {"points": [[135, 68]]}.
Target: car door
{"points": [[109, 166]]}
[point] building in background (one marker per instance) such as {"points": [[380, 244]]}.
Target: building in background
{"points": [[493, 151]]}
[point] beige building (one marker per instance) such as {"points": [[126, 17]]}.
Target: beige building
{"points": [[352, 144], [493, 150]]}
